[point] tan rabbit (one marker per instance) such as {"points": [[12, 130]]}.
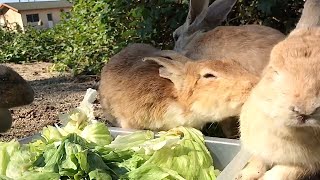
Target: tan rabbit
{"points": [[145, 88], [280, 121], [201, 37]]}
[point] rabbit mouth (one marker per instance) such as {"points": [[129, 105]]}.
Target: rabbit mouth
{"points": [[305, 121], [302, 119]]}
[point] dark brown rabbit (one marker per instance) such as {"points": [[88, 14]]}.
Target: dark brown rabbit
{"points": [[14, 91]]}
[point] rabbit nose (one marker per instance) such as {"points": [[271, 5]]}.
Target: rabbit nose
{"points": [[302, 117], [295, 109], [311, 111]]}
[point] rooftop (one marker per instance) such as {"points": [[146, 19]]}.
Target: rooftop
{"points": [[24, 6]]}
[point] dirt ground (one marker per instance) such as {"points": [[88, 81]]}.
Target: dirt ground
{"points": [[54, 93]]}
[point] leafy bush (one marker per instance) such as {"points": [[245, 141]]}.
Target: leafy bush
{"points": [[279, 14], [94, 32], [33, 45], [97, 30], [83, 39], [156, 20]]}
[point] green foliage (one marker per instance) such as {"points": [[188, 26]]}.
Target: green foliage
{"points": [[33, 45], [156, 20], [96, 30], [83, 38], [279, 14]]}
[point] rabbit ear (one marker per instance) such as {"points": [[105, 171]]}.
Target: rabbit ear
{"points": [[310, 16], [201, 18], [217, 13], [171, 69], [196, 7], [170, 54]]}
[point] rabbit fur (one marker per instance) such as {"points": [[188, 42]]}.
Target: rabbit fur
{"points": [[280, 121], [142, 87], [14, 91], [201, 37]]}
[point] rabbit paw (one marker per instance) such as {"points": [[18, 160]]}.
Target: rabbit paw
{"points": [[280, 172], [249, 174], [272, 175], [254, 170]]}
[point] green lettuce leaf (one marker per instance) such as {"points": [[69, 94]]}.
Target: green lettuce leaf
{"points": [[69, 165], [97, 133], [134, 162], [132, 140], [40, 176], [113, 155], [20, 162], [189, 151], [51, 134], [2, 177], [7, 149], [153, 172], [99, 174], [77, 119]]}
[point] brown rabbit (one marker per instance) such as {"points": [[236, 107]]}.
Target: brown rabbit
{"points": [[14, 91], [280, 121], [201, 37], [145, 88]]}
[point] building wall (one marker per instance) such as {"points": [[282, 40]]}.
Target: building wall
{"points": [[11, 17], [56, 16], [1, 20]]}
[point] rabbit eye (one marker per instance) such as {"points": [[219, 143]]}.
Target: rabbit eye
{"points": [[274, 70], [209, 75], [175, 37], [4, 78], [167, 57]]}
